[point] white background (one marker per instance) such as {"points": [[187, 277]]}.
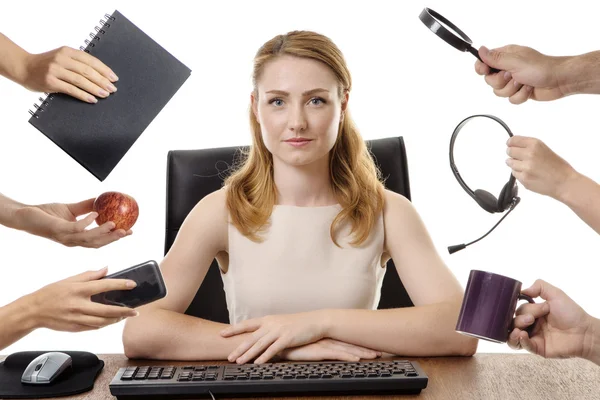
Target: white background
{"points": [[406, 82]]}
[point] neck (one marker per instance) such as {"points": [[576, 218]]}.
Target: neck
{"points": [[305, 186]]}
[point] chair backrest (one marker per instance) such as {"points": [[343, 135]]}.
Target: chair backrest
{"points": [[193, 174]]}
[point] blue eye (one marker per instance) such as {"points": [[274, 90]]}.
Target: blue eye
{"points": [[317, 101], [277, 102]]}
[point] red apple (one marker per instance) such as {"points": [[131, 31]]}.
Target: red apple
{"points": [[117, 207]]}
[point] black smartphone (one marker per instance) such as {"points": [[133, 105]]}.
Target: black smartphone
{"points": [[150, 287]]}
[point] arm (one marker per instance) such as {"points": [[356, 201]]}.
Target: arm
{"points": [[582, 195], [59, 222], [581, 74], [163, 331], [12, 60], [63, 70], [64, 306], [426, 329], [593, 353]]}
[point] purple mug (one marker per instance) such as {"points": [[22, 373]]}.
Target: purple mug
{"points": [[489, 306]]}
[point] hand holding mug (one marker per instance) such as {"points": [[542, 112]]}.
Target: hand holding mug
{"points": [[562, 328]]}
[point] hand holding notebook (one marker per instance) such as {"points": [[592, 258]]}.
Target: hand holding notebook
{"points": [[63, 70], [98, 135]]}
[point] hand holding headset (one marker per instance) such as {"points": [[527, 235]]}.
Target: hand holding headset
{"points": [[507, 200]]}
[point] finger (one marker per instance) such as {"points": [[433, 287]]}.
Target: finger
{"points": [[500, 58], [80, 225], [87, 276], [519, 141], [249, 325], [98, 65], [510, 89], [536, 310], [518, 153], [106, 311], [245, 346], [498, 80], [481, 68], [337, 354], [83, 207], [92, 75], [513, 339], [106, 285], [95, 322], [91, 239], [522, 95], [82, 83], [516, 165], [527, 343], [73, 91], [266, 342]]}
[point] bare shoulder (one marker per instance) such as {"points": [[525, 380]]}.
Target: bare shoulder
{"points": [[208, 219], [395, 205]]}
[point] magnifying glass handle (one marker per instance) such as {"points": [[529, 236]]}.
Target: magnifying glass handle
{"points": [[473, 51]]}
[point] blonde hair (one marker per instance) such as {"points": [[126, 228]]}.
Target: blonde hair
{"points": [[356, 181]]}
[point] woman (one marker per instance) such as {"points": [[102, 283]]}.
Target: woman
{"points": [[302, 232]]}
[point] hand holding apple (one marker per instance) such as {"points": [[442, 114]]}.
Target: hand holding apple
{"points": [[116, 207]]}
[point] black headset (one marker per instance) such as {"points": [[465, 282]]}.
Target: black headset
{"points": [[507, 200]]}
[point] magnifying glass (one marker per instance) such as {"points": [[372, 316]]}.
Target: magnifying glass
{"points": [[449, 32]]}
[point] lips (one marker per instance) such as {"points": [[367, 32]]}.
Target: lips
{"points": [[298, 140]]}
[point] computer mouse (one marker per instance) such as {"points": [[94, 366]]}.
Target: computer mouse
{"points": [[45, 368]]}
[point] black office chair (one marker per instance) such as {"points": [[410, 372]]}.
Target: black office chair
{"points": [[193, 174]]}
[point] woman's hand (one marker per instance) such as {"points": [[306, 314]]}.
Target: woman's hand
{"points": [[329, 349], [274, 333]]}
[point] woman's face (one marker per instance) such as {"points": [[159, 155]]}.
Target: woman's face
{"points": [[298, 108]]}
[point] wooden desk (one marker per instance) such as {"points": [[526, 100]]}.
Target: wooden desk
{"points": [[484, 376]]}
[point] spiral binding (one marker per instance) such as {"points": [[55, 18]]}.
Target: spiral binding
{"points": [[100, 30]]}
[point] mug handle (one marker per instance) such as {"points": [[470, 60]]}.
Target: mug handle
{"points": [[531, 327]]}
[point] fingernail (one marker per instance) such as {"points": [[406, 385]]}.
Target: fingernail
{"points": [[516, 83], [102, 269], [529, 88], [121, 234], [131, 284], [135, 313], [94, 215], [113, 77], [111, 88], [484, 50], [103, 93], [92, 99], [507, 75], [528, 319]]}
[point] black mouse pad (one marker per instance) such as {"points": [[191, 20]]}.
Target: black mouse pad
{"points": [[77, 379]]}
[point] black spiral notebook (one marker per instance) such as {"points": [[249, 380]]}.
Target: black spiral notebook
{"points": [[97, 136]]}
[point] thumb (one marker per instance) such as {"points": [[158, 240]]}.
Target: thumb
{"points": [[499, 58], [88, 276], [83, 207], [542, 289]]}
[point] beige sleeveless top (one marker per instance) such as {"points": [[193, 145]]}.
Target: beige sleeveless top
{"points": [[297, 267]]}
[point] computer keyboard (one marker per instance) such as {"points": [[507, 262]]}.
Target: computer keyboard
{"points": [[272, 379]]}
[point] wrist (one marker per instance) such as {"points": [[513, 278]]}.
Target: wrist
{"points": [[326, 322], [591, 342], [568, 192], [26, 314], [580, 74]]}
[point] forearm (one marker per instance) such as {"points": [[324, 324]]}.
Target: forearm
{"points": [[415, 331], [581, 74], [16, 321], [593, 341], [8, 212], [169, 335], [12, 60], [582, 195]]}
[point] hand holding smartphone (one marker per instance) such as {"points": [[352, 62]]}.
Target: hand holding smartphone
{"points": [[150, 287]]}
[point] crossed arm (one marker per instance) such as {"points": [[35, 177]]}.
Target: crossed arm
{"points": [[162, 331]]}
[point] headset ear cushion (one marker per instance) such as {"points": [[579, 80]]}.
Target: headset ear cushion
{"points": [[486, 200], [508, 192]]}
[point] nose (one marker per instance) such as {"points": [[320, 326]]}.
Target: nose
{"points": [[297, 119]]}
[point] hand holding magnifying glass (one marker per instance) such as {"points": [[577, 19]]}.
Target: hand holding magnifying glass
{"points": [[449, 32]]}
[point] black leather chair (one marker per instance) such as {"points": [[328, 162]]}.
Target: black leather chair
{"points": [[192, 174]]}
